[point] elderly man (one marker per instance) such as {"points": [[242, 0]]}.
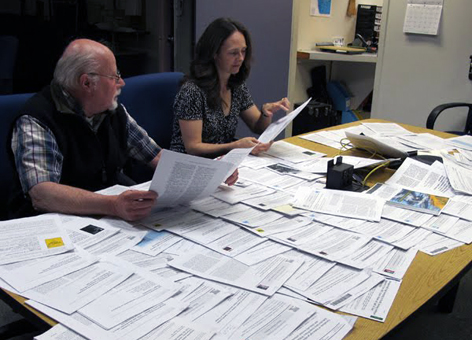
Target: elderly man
{"points": [[73, 138]]}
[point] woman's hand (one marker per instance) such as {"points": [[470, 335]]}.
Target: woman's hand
{"points": [[261, 147], [233, 178], [269, 109], [246, 142]]}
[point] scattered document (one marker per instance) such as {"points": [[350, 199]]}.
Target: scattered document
{"points": [[132, 329], [232, 312], [459, 176], [376, 303], [85, 232], [340, 203], [291, 152], [29, 274], [387, 129], [422, 177], [275, 128], [261, 252], [275, 319], [323, 325], [264, 278], [73, 291], [180, 178], [201, 298], [179, 330], [59, 332], [132, 297], [435, 244], [32, 237], [156, 242]]}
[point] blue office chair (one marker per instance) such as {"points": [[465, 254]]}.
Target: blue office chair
{"points": [[9, 107], [149, 99], [440, 108]]}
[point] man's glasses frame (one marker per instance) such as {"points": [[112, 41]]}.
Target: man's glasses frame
{"points": [[116, 77]]}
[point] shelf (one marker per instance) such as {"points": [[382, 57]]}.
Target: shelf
{"points": [[318, 55]]}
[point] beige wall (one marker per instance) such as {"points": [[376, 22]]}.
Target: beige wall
{"points": [[307, 30], [316, 29]]}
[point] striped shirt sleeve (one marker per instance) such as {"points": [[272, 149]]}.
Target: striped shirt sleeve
{"points": [[140, 146], [37, 155]]}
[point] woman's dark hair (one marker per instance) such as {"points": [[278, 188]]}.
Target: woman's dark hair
{"points": [[203, 69]]}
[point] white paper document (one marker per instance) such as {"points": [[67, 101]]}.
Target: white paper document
{"points": [[29, 274], [436, 244], [277, 127], [59, 332], [460, 177], [232, 312], [32, 237], [312, 269], [461, 231], [179, 330], [387, 129], [422, 177], [275, 319], [367, 255], [156, 242], [376, 303], [335, 284], [132, 329], [85, 232], [180, 178], [253, 218], [395, 263], [291, 152], [75, 290], [235, 242], [201, 298], [261, 252], [335, 244], [323, 325], [132, 297], [264, 278], [340, 203]]}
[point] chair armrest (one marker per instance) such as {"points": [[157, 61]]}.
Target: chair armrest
{"points": [[440, 108]]}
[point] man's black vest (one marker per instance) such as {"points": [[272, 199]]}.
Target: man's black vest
{"points": [[91, 160]]}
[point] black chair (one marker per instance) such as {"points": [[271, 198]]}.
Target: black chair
{"points": [[9, 107], [440, 108]]}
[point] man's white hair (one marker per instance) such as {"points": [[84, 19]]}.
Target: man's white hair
{"points": [[73, 64]]}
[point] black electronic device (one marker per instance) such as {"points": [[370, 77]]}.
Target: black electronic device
{"points": [[339, 175], [368, 26], [315, 116]]}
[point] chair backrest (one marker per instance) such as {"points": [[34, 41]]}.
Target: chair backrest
{"points": [[9, 107], [433, 115], [149, 99]]}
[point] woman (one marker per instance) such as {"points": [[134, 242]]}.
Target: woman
{"points": [[208, 105]]}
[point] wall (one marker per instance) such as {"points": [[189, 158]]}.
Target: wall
{"points": [[307, 30], [417, 72], [269, 22]]}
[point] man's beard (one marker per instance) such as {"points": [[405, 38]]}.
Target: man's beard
{"points": [[114, 105]]}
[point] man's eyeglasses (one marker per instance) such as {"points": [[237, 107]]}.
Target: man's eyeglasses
{"points": [[117, 77]]}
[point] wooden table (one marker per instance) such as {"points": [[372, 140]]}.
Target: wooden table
{"points": [[429, 277]]}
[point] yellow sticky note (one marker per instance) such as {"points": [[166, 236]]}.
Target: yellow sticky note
{"points": [[54, 242]]}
